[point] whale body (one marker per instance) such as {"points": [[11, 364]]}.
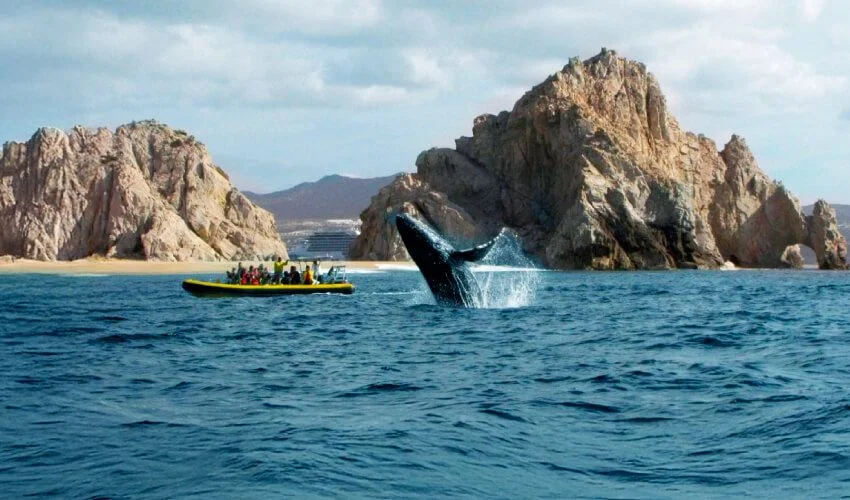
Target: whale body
{"points": [[445, 269]]}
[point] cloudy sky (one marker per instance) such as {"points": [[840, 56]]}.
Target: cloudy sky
{"points": [[287, 91]]}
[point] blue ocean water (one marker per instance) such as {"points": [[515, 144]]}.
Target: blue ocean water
{"points": [[648, 385]]}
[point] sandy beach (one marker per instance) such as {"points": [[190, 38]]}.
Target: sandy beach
{"points": [[122, 266]]}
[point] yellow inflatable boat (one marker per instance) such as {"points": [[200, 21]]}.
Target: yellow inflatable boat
{"points": [[203, 288]]}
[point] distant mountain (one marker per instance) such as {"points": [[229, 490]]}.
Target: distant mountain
{"points": [[331, 197], [842, 213]]}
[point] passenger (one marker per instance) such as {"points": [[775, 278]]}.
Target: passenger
{"points": [[285, 279], [308, 276], [278, 270], [316, 271], [240, 271], [294, 276], [261, 274]]}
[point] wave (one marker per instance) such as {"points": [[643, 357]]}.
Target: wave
{"points": [[378, 388], [397, 267], [119, 338]]}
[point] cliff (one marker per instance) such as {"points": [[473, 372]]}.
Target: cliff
{"points": [[593, 172], [143, 191]]}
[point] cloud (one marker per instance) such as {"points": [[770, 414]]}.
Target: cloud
{"points": [[720, 6], [713, 69], [328, 17], [812, 9], [415, 72], [109, 61]]}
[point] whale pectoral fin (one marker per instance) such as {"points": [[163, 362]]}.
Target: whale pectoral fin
{"points": [[475, 254]]}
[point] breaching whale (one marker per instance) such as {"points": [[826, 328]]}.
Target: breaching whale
{"points": [[445, 269]]}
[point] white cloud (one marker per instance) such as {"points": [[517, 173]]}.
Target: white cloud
{"points": [[325, 17], [715, 70], [749, 65], [554, 16], [426, 69], [110, 60], [721, 6], [376, 94], [812, 9]]}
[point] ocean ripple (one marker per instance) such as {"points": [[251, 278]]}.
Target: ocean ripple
{"points": [[643, 385]]}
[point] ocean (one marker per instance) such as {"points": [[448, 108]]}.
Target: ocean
{"points": [[570, 385]]}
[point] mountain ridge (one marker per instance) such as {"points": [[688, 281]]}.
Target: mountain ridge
{"points": [[333, 196]]}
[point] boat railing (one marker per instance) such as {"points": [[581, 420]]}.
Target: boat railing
{"points": [[336, 274]]}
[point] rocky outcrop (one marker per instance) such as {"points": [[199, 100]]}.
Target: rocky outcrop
{"points": [[825, 238], [593, 172], [143, 191], [409, 195]]}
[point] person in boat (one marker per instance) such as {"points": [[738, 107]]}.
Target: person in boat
{"points": [[294, 276], [316, 271], [261, 274], [308, 276], [278, 270]]}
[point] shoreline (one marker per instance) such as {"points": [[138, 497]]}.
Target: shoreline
{"points": [[104, 266], [142, 267]]}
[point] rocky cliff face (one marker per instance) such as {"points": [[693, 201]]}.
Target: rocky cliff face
{"points": [[143, 191], [409, 195], [591, 170]]}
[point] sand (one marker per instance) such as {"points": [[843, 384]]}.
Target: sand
{"points": [[121, 266]]}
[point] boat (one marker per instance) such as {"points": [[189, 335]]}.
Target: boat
{"points": [[334, 282], [199, 287]]}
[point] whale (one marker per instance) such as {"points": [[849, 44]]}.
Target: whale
{"points": [[445, 269]]}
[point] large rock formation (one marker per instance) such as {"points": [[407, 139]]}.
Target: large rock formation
{"points": [[407, 194], [594, 173], [143, 191]]}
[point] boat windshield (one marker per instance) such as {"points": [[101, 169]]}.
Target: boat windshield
{"points": [[336, 274]]}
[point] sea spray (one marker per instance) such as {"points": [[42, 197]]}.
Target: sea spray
{"points": [[506, 276]]}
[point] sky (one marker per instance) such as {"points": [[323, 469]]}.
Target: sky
{"points": [[288, 91]]}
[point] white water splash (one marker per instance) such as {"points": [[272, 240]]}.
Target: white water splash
{"points": [[507, 278]]}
